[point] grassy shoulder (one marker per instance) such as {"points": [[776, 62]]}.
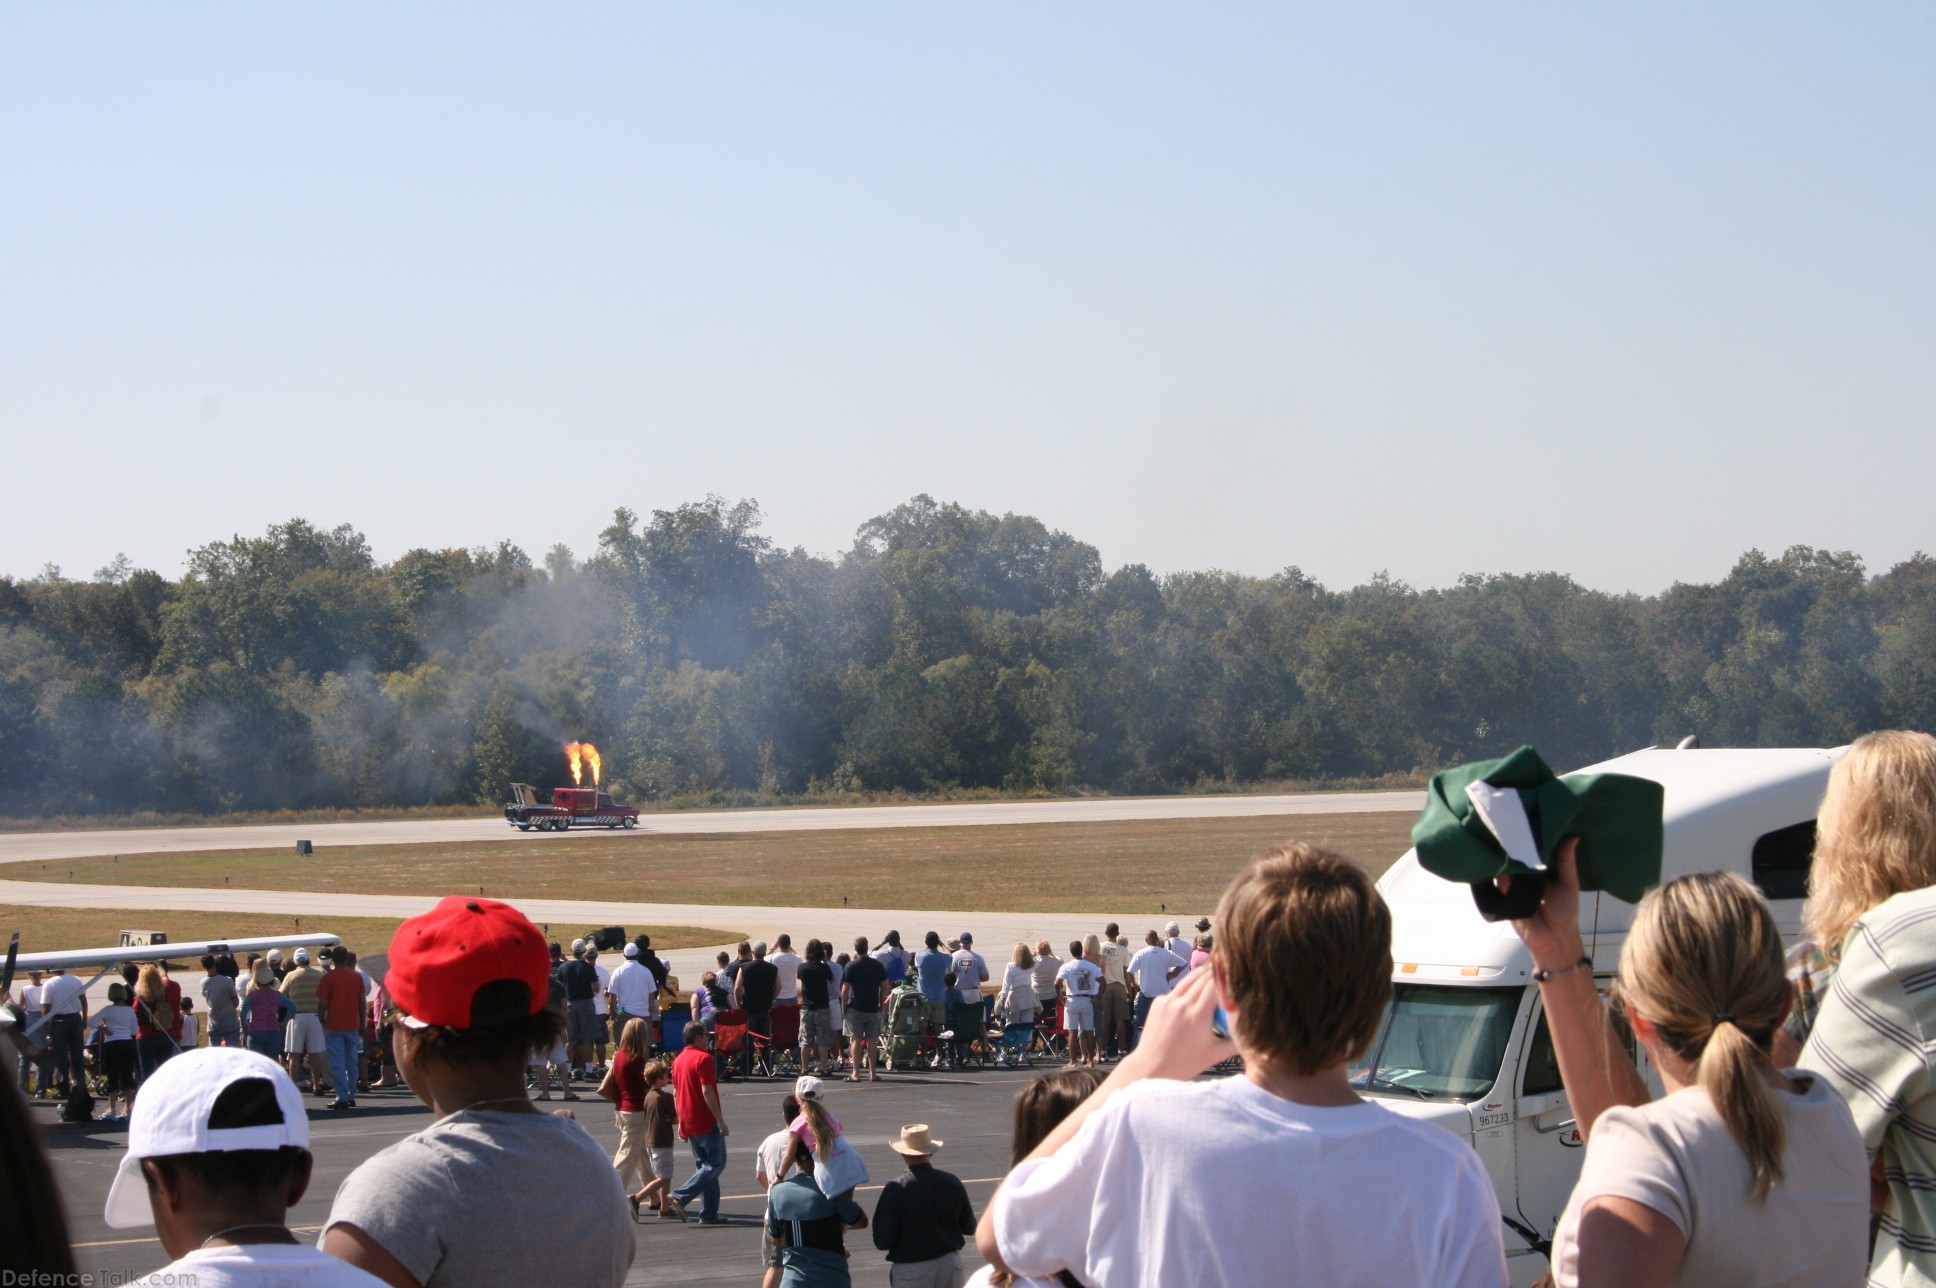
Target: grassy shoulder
{"points": [[1152, 866], [54, 929]]}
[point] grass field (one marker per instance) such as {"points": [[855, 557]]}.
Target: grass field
{"points": [[51, 929], [1127, 867]]}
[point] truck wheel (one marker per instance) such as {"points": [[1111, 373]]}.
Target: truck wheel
{"points": [[629, 824], [524, 827]]}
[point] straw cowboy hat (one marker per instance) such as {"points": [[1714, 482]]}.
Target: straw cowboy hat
{"points": [[915, 1142]]}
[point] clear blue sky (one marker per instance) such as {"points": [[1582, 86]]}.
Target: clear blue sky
{"points": [[1615, 290]]}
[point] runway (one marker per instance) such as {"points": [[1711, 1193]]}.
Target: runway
{"points": [[22, 847]]}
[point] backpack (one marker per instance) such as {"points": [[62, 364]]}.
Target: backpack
{"points": [[160, 1017], [79, 1105]]}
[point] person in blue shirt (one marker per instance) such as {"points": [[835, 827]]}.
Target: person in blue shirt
{"points": [[931, 968], [810, 1227]]}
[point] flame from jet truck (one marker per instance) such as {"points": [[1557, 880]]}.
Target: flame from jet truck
{"points": [[583, 755]]}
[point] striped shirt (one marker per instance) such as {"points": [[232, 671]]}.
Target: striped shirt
{"points": [[1874, 1041]]}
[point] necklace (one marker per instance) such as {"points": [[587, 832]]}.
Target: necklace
{"points": [[498, 1100], [252, 1225]]}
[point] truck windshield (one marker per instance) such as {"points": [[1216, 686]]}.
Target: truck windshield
{"points": [[1439, 1043]]}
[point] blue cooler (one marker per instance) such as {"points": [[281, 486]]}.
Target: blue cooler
{"points": [[672, 1028]]}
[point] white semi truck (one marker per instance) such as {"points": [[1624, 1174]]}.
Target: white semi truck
{"points": [[1464, 1043]]}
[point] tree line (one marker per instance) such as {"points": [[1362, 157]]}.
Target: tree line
{"points": [[949, 649]]}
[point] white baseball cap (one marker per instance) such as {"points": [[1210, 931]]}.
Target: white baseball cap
{"points": [[171, 1116], [631, 950], [807, 1087], [577, 947], [302, 955]]}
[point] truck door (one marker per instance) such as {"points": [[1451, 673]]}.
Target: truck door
{"points": [[1547, 1146]]}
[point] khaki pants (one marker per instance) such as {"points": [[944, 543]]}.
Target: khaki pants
{"points": [[630, 1161], [942, 1272], [1112, 1012]]}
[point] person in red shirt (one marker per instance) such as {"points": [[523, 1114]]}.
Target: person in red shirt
{"points": [[695, 1089], [339, 1005], [156, 997], [627, 1093]]}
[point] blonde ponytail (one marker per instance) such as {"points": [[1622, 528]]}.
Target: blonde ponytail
{"points": [[820, 1125], [1730, 1071], [1703, 965]]}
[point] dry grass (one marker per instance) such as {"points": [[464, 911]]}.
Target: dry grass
{"points": [[53, 929], [1128, 867]]}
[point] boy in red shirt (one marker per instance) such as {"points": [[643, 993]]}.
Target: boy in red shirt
{"points": [[695, 1089]]}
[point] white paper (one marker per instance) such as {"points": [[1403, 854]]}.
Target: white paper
{"points": [[1504, 815]]}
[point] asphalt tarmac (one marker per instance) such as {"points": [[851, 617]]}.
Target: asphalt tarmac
{"points": [[19, 847], [969, 1111]]}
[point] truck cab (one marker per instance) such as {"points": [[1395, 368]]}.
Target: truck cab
{"points": [[1464, 1043]]}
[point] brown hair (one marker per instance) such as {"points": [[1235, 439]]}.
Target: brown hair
{"points": [[1305, 951], [632, 1039], [36, 1222], [1703, 965], [654, 1069], [1044, 1102], [1023, 957], [1039, 1106], [1876, 835]]}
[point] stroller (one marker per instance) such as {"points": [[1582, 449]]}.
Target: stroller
{"points": [[907, 1028]]}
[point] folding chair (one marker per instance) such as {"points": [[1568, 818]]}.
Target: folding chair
{"points": [[1050, 1037], [780, 1054], [1015, 1044], [963, 1043], [731, 1044]]}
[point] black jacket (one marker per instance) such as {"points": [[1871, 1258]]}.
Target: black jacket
{"points": [[923, 1213]]}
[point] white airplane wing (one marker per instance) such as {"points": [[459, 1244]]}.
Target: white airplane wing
{"points": [[105, 958]]}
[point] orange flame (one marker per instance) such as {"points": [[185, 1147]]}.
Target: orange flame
{"points": [[582, 754]]}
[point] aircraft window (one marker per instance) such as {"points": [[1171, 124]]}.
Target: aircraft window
{"points": [[1781, 859]]}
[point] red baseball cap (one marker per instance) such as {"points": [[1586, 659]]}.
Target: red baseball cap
{"points": [[440, 960]]}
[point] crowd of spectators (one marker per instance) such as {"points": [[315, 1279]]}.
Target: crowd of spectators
{"points": [[1790, 1143]]}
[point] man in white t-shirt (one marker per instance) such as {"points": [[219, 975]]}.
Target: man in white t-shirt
{"points": [[770, 1166], [1157, 1179], [63, 999], [1174, 941], [601, 1008], [787, 962], [29, 999], [1081, 980], [632, 994], [1154, 968]]}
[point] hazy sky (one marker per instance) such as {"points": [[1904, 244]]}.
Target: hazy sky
{"points": [[1426, 288]]}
